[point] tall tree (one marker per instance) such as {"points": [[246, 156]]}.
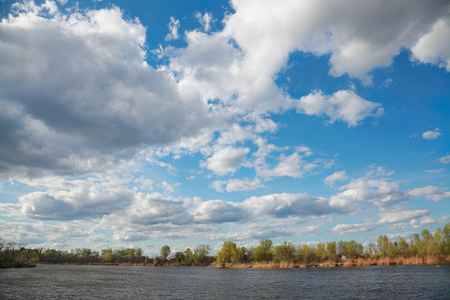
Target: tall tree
{"points": [[165, 252], [228, 252], [331, 250], [201, 252]]}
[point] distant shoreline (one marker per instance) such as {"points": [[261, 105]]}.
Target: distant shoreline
{"points": [[359, 262]]}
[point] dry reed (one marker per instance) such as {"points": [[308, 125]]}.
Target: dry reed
{"points": [[286, 264], [239, 266], [265, 265], [328, 264]]}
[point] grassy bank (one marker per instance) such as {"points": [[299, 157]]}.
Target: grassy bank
{"points": [[359, 262]]}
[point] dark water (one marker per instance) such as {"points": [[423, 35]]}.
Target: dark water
{"points": [[114, 282]]}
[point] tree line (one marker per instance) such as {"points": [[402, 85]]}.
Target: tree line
{"points": [[420, 245], [426, 244], [17, 255]]}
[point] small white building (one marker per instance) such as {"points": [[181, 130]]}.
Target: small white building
{"points": [[343, 258]]}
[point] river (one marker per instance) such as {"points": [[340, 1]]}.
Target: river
{"points": [[120, 282]]}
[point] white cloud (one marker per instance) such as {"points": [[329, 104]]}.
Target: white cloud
{"points": [[434, 47], [431, 135], [95, 55], [173, 28], [241, 78], [236, 185], [352, 228], [151, 209], [306, 150], [343, 105], [226, 160], [218, 185], [399, 216], [434, 171], [336, 176], [76, 200], [205, 20], [292, 166], [430, 192], [288, 205], [42, 234], [426, 221], [359, 38], [218, 211], [444, 159], [379, 191]]}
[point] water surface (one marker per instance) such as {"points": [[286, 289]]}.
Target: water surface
{"points": [[121, 282]]}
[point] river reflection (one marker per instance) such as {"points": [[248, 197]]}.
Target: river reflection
{"points": [[120, 282]]}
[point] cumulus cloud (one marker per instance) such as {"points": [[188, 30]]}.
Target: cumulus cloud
{"points": [[236, 185], [218, 211], [444, 159], [432, 135], [345, 106], [173, 28], [242, 78], [369, 188], [291, 165], [352, 228], [359, 38], [82, 200], [151, 209], [205, 20], [431, 192], [289, 205], [86, 100], [399, 216], [426, 221], [336, 176], [226, 160], [434, 47], [40, 233]]}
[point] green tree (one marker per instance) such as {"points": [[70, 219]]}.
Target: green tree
{"points": [[446, 239], [259, 254], [331, 251], [403, 247], [228, 252], [391, 249], [306, 253], [321, 253], [107, 255], [180, 257], [264, 251], [383, 244], [371, 250], [129, 253], [266, 244], [341, 249], [189, 256], [284, 252], [165, 252], [200, 253]]}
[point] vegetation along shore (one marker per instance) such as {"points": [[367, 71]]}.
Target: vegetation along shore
{"points": [[423, 248]]}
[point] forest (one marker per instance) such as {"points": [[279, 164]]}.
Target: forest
{"points": [[423, 248]]}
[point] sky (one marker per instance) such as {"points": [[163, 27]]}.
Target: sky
{"points": [[145, 123]]}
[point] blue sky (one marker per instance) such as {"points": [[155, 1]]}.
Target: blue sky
{"points": [[144, 123]]}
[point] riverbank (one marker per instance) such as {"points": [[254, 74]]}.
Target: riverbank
{"points": [[17, 265], [359, 262]]}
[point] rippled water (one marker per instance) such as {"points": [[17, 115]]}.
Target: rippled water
{"points": [[119, 282]]}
